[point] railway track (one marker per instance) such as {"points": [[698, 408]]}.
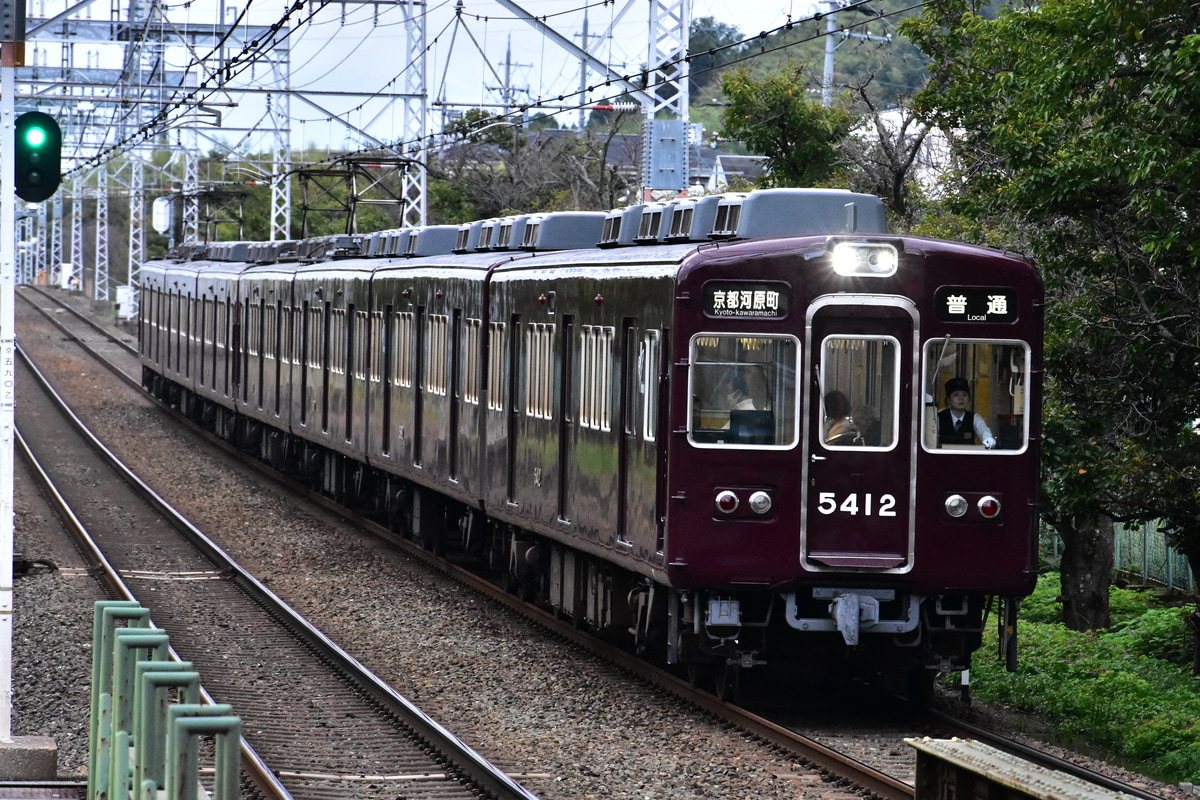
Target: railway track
{"points": [[321, 724], [889, 773]]}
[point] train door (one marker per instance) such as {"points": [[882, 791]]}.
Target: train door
{"points": [[859, 475]]}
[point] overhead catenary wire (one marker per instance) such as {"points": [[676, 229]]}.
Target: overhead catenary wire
{"points": [[251, 51]]}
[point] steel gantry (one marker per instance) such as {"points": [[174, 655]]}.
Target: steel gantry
{"points": [[136, 123]]}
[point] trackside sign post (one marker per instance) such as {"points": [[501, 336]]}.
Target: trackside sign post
{"points": [[8, 368]]}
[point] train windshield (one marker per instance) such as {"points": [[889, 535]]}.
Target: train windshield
{"points": [[743, 390], [975, 398], [860, 382]]}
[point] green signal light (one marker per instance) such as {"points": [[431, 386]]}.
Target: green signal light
{"points": [[37, 156]]}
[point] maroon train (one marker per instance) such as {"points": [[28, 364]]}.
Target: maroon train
{"points": [[718, 431]]}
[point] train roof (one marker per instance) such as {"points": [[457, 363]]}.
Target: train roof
{"points": [[731, 216]]}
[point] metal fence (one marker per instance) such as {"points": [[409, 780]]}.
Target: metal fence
{"points": [[1141, 556]]}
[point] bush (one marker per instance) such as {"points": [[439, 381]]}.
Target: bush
{"points": [[1129, 691], [1158, 633]]}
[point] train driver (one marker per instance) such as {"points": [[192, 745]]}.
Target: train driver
{"points": [[959, 425]]}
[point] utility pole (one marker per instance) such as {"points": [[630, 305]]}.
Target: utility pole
{"points": [[831, 45]]}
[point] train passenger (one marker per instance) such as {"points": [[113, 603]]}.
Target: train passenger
{"points": [[959, 425], [736, 391], [867, 421], [835, 409]]}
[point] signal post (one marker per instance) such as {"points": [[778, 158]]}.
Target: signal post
{"points": [[32, 758]]}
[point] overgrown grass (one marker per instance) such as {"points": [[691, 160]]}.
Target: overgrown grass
{"points": [[1129, 691]]}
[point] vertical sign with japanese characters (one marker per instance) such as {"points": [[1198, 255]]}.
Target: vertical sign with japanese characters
{"points": [[975, 304]]}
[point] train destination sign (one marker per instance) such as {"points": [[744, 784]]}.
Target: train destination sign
{"points": [[738, 299], [975, 304]]}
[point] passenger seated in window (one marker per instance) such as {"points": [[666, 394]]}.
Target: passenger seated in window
{"points": [[835, 409], [956, 423], [735, 391], [860, 429], [867, 422]]}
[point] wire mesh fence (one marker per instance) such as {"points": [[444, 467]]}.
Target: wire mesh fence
{"points": [[1141, 556]]}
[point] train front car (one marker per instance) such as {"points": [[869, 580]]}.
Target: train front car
{"points": [[823, 509]]}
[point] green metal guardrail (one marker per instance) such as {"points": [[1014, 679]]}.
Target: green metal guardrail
{"points": [[147, 719]]}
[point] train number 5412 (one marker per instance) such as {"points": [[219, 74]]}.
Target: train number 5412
{"points": [[883, 505]]}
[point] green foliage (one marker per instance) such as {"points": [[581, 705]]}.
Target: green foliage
{"points": [[774, 117], [1079, 121], [1129, 692], [712, 46], [893, 70], [1043, 606], [1160, 633]]}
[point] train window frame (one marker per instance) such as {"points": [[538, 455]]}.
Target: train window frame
{"points": [[596, 376], [649, 356], [497, 349], [437, 348], [361, 342], [933, 355], [855, 440], [539, 370], [377, 347], [337, 333], [471, 333], [783, 385], [402, 349]]}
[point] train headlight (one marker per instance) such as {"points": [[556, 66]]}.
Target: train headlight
{"points": [[727, 502], [760, 502], [865, 258], [956, 505], [989, 507]]}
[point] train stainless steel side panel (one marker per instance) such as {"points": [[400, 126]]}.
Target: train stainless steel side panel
{"points": [[426, 404], [268, 365], [217, 330], [574, 427], [153, 326], [330, 301]]}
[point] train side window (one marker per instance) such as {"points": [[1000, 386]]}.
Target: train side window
{"points": [[992, 374], [496, 384], [743, 390], [860, 381], [437, 378], [595, 376], [539, 370], [648, 358], [402, 349], [470, 362]]}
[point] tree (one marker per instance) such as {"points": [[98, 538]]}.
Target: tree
{"points": [[1080, 123], [499, 167], [773, 116], [712, 45], [882, 154]]}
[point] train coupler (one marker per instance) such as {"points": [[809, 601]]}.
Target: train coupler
{"points": [[852, 612]]}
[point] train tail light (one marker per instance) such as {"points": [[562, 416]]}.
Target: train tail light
{"points": [[727, 502], [989, 507]]}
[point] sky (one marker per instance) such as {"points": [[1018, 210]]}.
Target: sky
{"points": [[363, 49]]}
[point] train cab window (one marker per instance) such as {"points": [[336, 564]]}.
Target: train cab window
{"points": [[974, 396], [743, 391], [860, 381]]}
